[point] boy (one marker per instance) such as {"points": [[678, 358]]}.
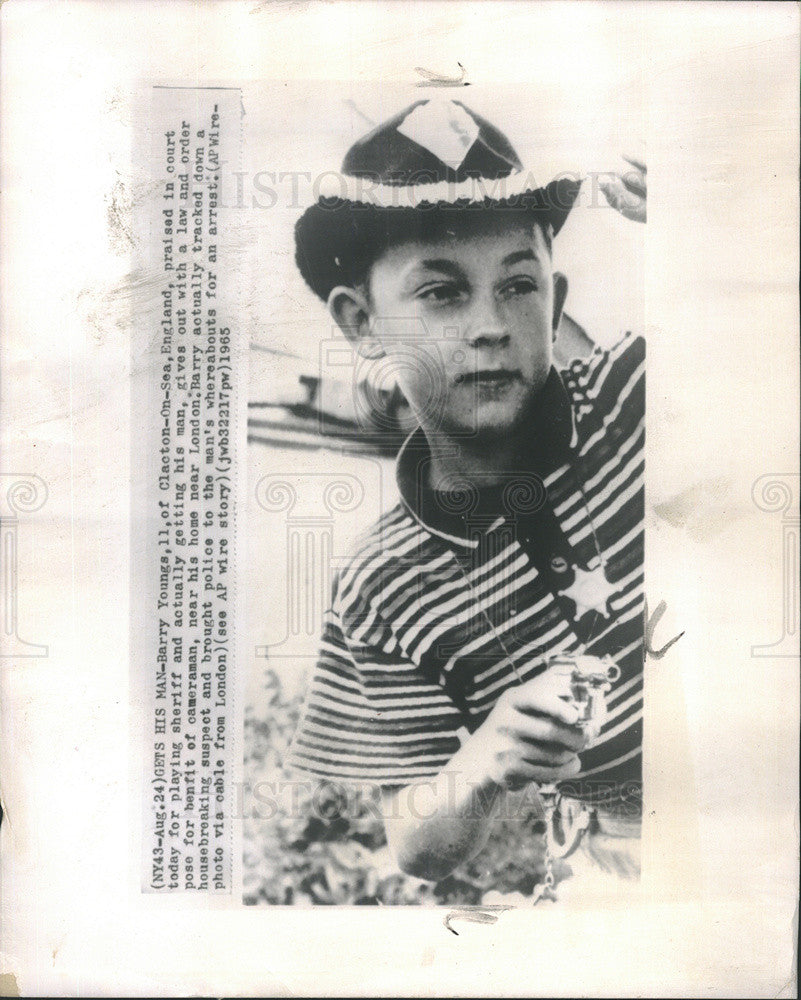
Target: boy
{"points": [[519, 531]]}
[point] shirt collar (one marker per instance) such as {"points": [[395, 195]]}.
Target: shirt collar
{"points": [[553, 437]]}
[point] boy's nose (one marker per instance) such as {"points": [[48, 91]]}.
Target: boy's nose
{"points": [[489, 337], [488, 328]]}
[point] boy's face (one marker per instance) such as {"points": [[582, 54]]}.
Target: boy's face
{"points": [[468, 324]]}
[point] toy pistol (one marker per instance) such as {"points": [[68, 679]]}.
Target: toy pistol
{"points": [[589, 678]]}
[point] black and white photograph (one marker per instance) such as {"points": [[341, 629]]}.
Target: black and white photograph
{"points": [[471, 718]]}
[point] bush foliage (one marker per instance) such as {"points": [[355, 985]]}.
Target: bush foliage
{"points": [[322, 843]]}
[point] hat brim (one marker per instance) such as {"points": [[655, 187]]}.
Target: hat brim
{"points": [[337, 238]]}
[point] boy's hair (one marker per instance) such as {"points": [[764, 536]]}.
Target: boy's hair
{"points": [[340, 249]]}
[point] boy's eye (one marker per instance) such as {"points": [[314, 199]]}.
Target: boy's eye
{"points": [[439, 294], [522, 285]]}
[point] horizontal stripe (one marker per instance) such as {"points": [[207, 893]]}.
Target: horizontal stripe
{"points": [[594, 500], [632, 448], [603, 514], [610, 767]]}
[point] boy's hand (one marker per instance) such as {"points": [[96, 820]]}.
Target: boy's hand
{"points": [[530, 735], [627, 192]]}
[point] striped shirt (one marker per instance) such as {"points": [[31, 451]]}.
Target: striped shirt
{"points": [[453, 597]]}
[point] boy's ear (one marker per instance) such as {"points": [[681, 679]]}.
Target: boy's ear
{"points": [[559, 296], [350, 309]]}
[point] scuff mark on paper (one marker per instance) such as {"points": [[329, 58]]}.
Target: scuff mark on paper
{"points": [[119, 212], [474, 915], [703, 510], [431, 79], [111, 307]]}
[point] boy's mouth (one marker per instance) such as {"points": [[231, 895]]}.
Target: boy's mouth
{"points": [[489, 377]]}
